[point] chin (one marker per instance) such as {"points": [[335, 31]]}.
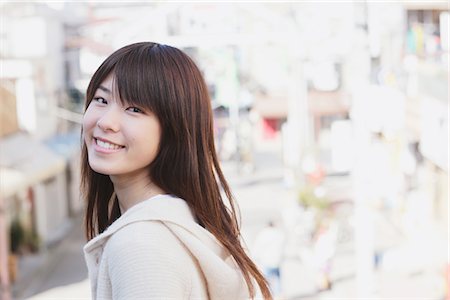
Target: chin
{"points": [[100, 168], [102, 171]]}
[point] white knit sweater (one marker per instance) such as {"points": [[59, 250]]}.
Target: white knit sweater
{"points": [[156, 250]]}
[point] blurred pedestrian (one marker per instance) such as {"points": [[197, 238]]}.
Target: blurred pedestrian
{"points": [[268, 251], [157, 223], [324, 249]]}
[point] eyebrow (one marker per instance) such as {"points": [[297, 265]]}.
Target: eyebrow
{"points": [[101, 87]]}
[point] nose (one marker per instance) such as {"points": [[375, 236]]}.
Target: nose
{"points": [[110, 120]]}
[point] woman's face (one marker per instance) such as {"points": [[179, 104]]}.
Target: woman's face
{"points": [[120, 140]]}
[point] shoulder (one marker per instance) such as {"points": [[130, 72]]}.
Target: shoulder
{"points": [[145, 260], [144, 238], [139, 228], [147, 249]]}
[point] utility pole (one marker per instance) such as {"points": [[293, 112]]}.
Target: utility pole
{"points": [[296, 129], [363, 212]]}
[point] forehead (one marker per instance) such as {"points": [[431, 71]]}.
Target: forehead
{"points": [[111, 89], [107, 85]]}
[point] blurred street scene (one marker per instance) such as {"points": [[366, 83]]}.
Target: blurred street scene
{"points": [[331, 123]]}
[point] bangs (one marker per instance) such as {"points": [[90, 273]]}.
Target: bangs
{"points": [[135, 79]]}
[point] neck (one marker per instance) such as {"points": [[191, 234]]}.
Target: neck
{"points": [[131, 190]]}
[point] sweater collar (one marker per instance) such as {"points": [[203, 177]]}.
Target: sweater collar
{"points": [[223, 276], [166, 208]]}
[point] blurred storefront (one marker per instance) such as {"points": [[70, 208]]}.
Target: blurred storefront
{"points": [[330, 112], [434, 135], [273, 112], [33, 186], [35, 208], [426, 63]]}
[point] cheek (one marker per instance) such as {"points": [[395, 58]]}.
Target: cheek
{"points": [[152, 138], [157, 137], [88, 123], [146, 143], [89, 120]]}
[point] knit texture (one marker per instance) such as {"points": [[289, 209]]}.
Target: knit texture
{"points": [[156, 250]]}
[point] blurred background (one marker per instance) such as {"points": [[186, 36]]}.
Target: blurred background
{"points": [[331, 124]]}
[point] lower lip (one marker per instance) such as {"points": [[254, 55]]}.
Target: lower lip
{"points": [[99, 149]]}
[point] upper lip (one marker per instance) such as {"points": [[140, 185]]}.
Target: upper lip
{"points": [[107, 141]]}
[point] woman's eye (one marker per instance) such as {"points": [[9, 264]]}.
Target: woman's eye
{"points": [[100, 100], [135, 109]]}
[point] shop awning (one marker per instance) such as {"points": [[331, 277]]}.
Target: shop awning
{"points": [[328, 103], [320, 104], [271, 107], [25, 161]]}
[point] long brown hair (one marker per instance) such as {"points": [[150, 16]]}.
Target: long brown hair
{"points": [[166, 81]]}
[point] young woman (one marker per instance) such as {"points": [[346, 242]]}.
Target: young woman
{"points": [[156, 222]]}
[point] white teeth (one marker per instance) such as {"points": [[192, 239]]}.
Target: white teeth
{"points": [[107, 145]]}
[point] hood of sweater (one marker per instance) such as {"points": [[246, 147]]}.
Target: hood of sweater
{"points": [[223, 277]]}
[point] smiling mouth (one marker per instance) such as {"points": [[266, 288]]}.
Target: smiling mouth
{"points": [[107, 145]]}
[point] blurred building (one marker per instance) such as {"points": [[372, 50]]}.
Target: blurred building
{"points": [[405, 109], [37, 186], [426, 63], [310, 72]]}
